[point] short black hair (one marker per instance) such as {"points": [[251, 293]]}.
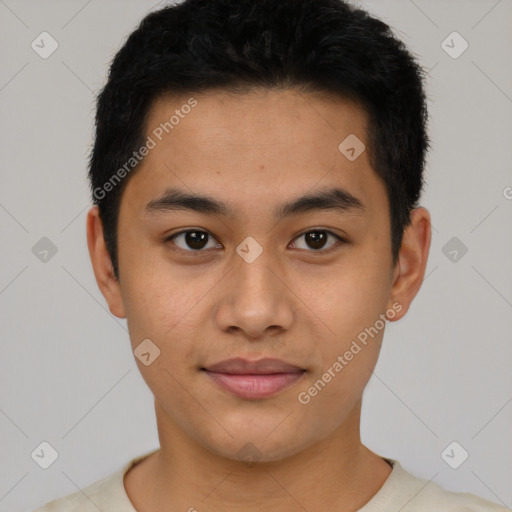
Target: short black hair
{"points": [[238, 45]]}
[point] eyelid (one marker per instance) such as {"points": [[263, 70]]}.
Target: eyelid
{"points": [[199, 252], [334, 247], [202, 251]]}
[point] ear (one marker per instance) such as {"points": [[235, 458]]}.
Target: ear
{"points": [[412, 261], [102, 264]]}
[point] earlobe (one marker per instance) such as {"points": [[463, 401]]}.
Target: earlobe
{"points": [[412, 261], [102, 264]]}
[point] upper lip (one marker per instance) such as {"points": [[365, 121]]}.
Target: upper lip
{"points": [[240, 366]]}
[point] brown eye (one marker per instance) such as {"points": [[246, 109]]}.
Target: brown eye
{"points": [[317, 240], [192, 240]]}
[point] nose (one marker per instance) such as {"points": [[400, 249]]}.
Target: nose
{"points": [[256, 299]]}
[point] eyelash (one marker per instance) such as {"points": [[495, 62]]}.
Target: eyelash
{"points": [[199, 252]]}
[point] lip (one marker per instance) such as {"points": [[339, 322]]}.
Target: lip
{"points": [[254, 380]]}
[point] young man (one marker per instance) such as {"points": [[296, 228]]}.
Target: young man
{"points": [[256, 176]]}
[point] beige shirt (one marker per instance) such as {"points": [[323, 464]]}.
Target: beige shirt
{"points": [[402, 492]]}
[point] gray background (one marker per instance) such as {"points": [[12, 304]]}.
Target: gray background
{"points": [[68, 376]]}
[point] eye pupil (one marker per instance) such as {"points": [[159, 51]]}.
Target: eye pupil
{"points": [[316, 239], [196, 239]]}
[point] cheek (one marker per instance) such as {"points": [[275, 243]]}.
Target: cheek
{"points": [[352, 298], [166, 305], [350, 303], [163, 312]]}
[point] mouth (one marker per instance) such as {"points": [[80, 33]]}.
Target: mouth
{"points": [[254, 380]]}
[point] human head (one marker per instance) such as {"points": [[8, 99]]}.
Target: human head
{"points": [[241, 156], [239, 45]]}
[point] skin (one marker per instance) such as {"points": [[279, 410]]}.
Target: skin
{"points": [[255, 151]]}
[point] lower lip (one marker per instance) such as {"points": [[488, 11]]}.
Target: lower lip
{"points": [[253, 387]]}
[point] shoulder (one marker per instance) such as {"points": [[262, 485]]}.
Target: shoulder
{"points": [[107, 494], [435, 496], [89, 499], [414, 494]]}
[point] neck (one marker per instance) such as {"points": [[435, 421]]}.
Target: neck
{"points": [[183, 475]]}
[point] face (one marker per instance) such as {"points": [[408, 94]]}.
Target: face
{"points": [[252, 272]]}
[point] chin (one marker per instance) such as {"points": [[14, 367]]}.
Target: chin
{"points": [[252, 446]]}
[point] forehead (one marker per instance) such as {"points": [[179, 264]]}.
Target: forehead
{"points": [[246, 148], [258, 117]]}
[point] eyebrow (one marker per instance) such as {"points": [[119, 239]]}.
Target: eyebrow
{"points": [[336, 199]]}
